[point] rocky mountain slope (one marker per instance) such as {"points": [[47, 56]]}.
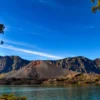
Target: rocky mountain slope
{"points": [[69, 70], [37, 70], [79, 64], [21, 68], [9, 63]]}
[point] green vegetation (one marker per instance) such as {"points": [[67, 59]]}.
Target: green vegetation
{"points": [[2, 75], [97, 6], [11, 97], [2, 28]]}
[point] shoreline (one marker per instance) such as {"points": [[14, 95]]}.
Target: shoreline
{"points": [[47, 82], [81, 78]]}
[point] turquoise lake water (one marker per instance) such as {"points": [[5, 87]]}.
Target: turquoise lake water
{"points": [[91, 92]]}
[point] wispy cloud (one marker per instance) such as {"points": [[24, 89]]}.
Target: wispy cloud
{"points": [[31, 52], [51, 3], [31, 31], [45, 32], [89, 26], [85, 26], [48, 2], [7, 28], [20, 29], [23, 44]]}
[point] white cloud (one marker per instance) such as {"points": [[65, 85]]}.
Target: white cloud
{"points": [[16, 43], [31, 52], [21, 44]]}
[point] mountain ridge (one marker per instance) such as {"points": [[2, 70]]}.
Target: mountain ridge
{"points": [[9, 63], [67, 70], [78, 63]]}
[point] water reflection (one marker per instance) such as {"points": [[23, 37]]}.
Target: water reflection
{"points": [[54, 92]]}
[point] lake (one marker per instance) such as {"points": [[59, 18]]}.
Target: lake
{"points": [[71, 92]]}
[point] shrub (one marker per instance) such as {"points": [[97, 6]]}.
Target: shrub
{"points": [[11, 97]]}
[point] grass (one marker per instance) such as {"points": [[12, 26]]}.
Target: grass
{"points": [[11, 97]]}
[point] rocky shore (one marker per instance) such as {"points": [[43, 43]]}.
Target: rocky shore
{"points": [[68, 79]]}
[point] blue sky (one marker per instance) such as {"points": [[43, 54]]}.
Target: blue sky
{"points": [[50, 29]]}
